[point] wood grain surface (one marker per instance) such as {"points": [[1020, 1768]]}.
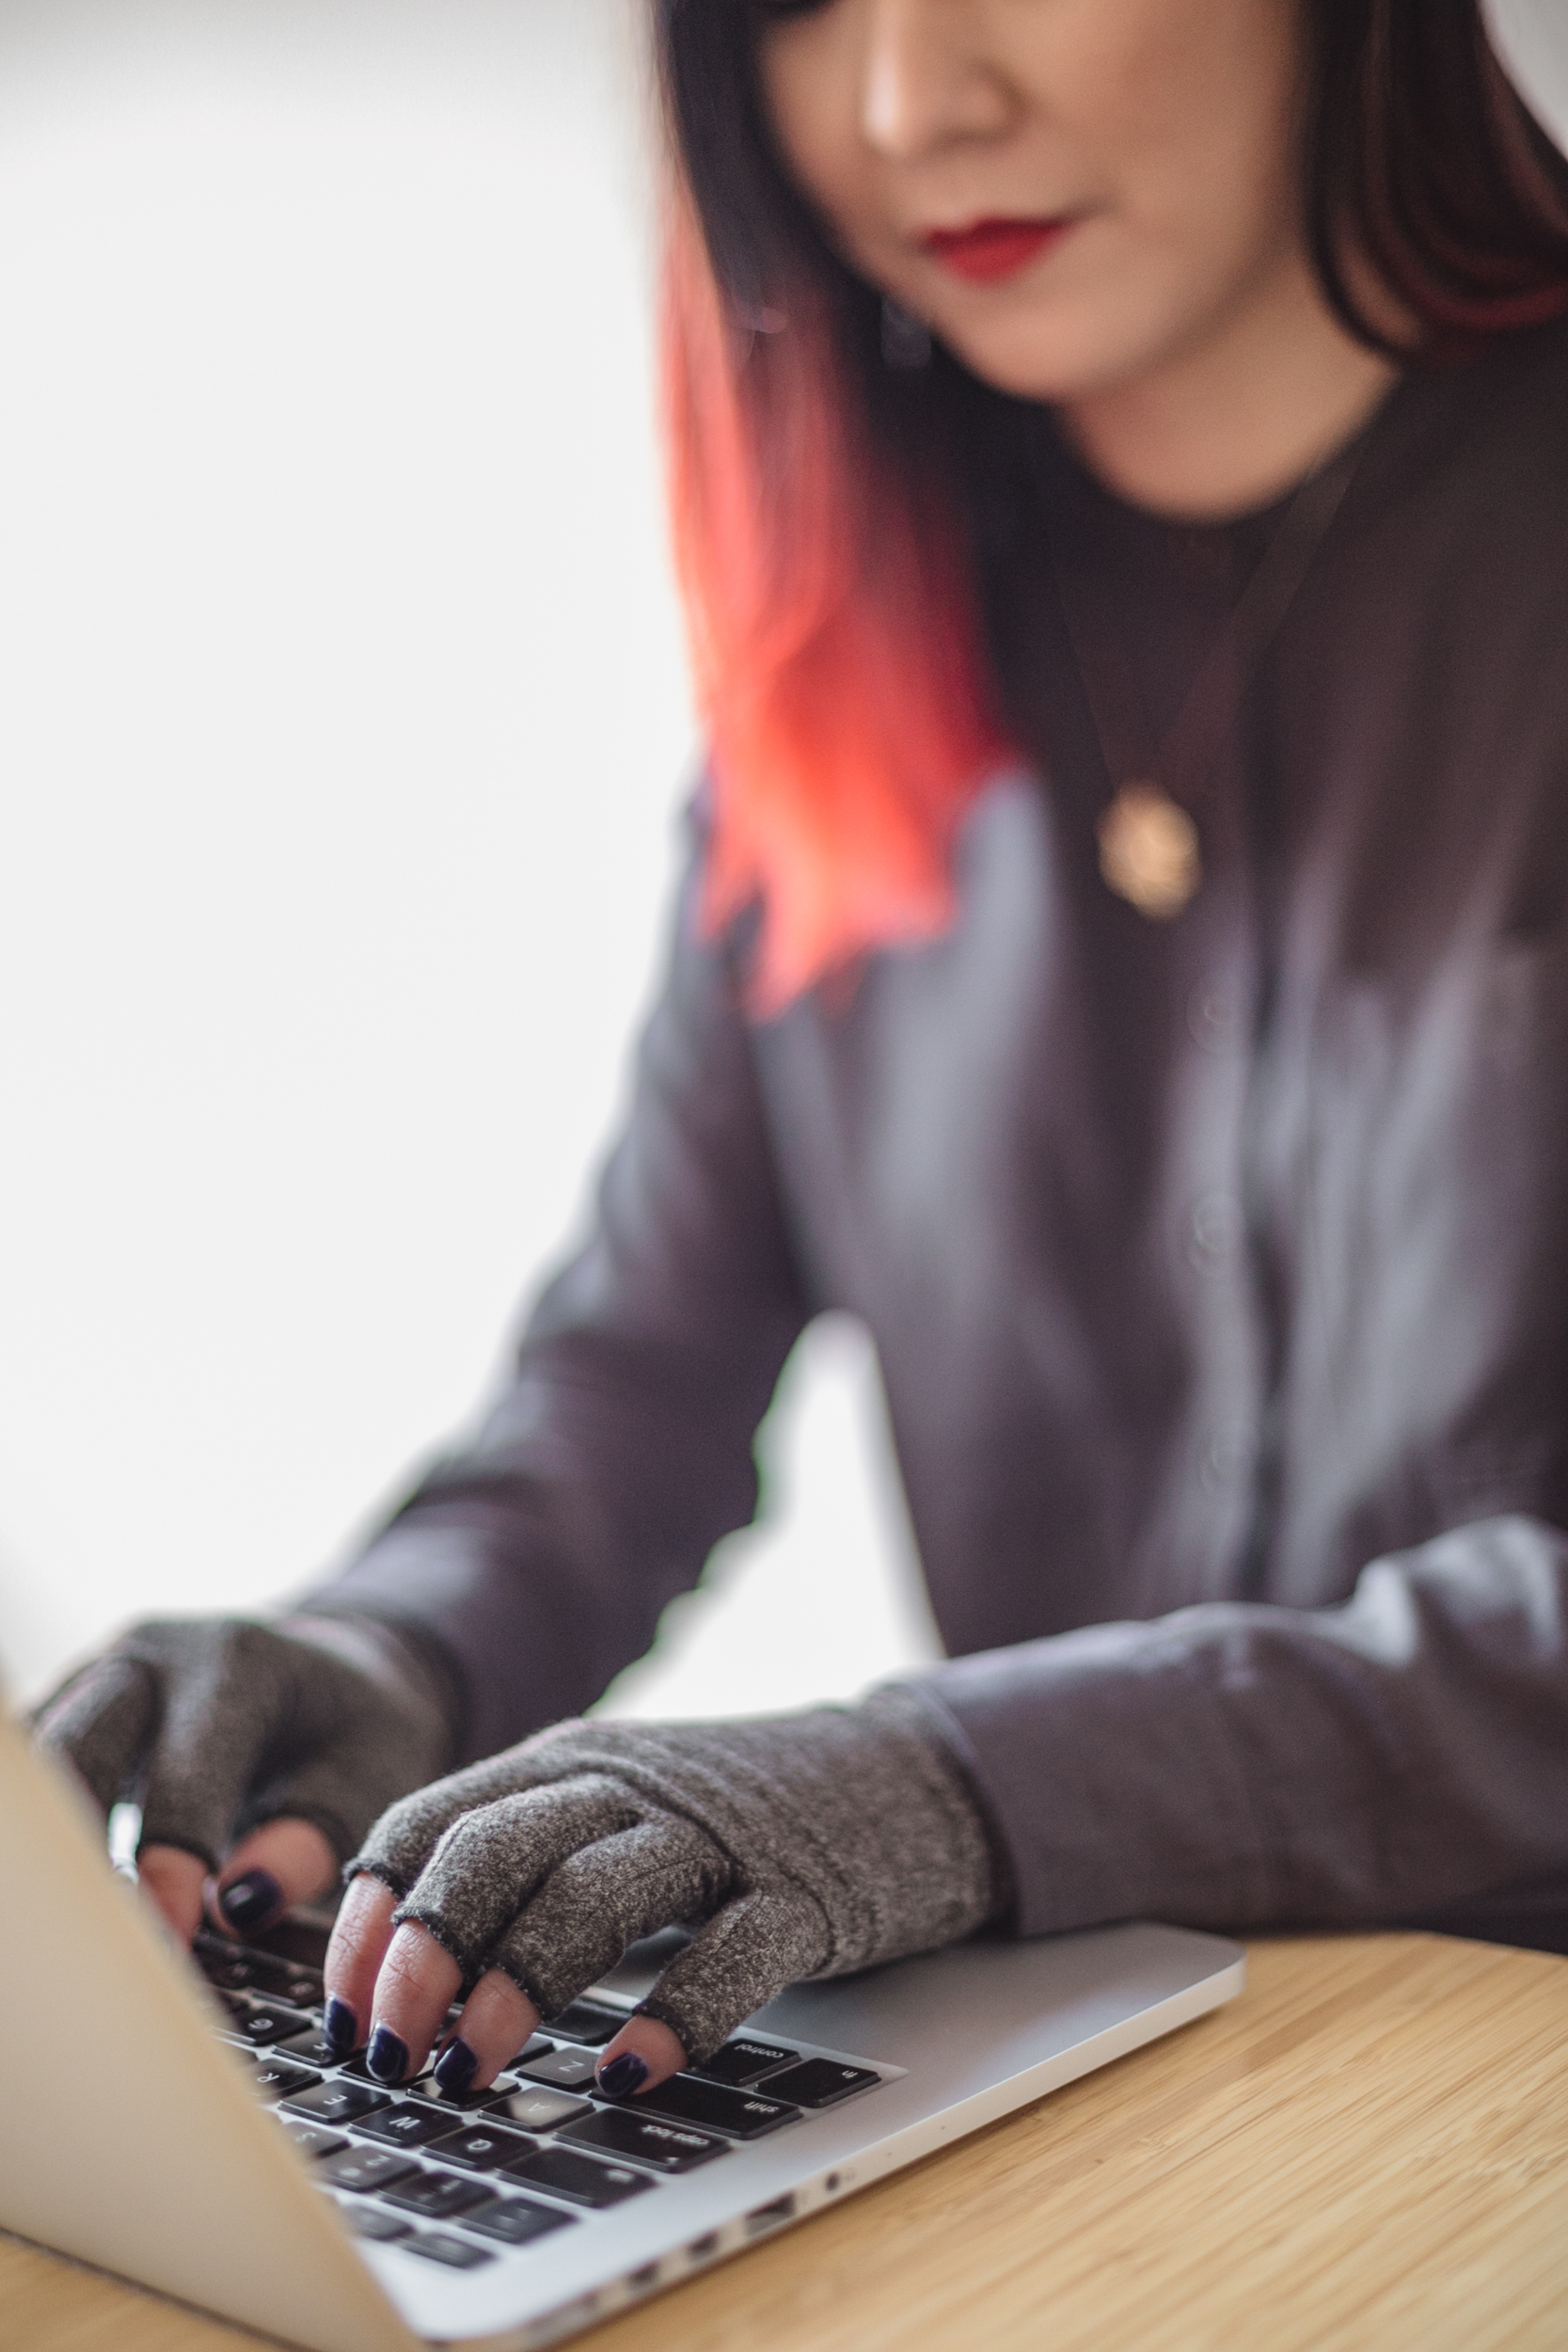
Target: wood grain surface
{"points": [[1369, 2148]]}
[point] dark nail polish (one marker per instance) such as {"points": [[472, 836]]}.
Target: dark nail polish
{"points": [[388, 2057], [622, 2075], [455, 2069], [339, 2027], [251, 1901]]}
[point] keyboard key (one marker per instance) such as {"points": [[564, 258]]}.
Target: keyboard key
{"points": [[312, 2049], [515, 2220], [366, 2171], [409, 2124], [470, 2100], [482, 2148], [337, 2102], [587, 2020], [312, 2141], [263, 2023], [232, 1965], [276, 2079], [451, 2250], [563, 2069], [287, 1979], [820, 2082], [646, 2140], [535, 2046], [535, 2109], [439, 2196], [369, 2221], [745, 2061], [583, 2178], [744, 2114], [224, 1971], [357, 2067]]}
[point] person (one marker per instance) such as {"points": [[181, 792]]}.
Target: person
{"points": [[1119, 467]]}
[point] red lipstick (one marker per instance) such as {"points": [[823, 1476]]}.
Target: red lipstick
{"points": [[989, 250]]}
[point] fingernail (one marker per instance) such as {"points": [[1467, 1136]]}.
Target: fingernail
{"points": [[339, 2026], [456, 2069], [388, 2057], [622, 2075], [251, 1901]]}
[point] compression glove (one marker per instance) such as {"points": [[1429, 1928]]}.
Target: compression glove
{"points": [[806, 1845], [214, 1725]]}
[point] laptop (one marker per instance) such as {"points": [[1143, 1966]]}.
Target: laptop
{"points": [[182, 2127]]}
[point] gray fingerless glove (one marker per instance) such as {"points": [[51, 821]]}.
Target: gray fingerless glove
{"points": [[810, 1845], [217, 1724]]}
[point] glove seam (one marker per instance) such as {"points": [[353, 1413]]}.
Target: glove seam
{"points": [[665, 2013], [472, 1965], [530, 1991], [358, 1868], [946, 1744]]}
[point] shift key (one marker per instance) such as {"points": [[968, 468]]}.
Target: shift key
{"points": [[714, 2107], [646, 2140]]}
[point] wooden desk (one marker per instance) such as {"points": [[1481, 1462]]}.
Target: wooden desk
{"points": [[1369, 2148]]}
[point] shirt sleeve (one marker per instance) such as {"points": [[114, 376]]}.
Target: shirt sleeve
{"points": [[540, 1556], [1401, 1754]]}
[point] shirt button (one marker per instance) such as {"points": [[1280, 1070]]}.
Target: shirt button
{"points": [[1221, 1460], [1213, 1231], [1215, 1019]]}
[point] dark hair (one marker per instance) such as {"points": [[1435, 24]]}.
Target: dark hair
{"points": [[1421, 156], [1424, 159], [819, 520]]}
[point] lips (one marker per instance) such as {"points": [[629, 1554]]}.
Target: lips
{"points": [[987, 251]]}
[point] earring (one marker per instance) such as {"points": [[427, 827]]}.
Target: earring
{"points": [[906, 339]]}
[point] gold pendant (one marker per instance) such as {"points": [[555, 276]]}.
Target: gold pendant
{"points": [[1148, 851]]}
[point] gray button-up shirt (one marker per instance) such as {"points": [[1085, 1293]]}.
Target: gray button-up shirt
{"points": [[1217, 1268]]}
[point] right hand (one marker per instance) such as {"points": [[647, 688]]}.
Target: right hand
{"points": [[259, 1754]]}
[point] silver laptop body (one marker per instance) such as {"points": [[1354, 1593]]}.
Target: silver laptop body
{"points": [[133, 2138]]}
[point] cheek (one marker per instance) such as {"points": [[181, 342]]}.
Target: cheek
{"points": [[810, 71], [1181, 115], [1191, 107]]}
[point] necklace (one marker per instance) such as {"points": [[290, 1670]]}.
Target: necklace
{"points": [[1150, 850]]}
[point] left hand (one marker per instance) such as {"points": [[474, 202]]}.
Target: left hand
{"points": [[257, 1749], [807, 1845]]}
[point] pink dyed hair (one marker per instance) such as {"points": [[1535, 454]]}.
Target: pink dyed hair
{"points": [[836, 647]]}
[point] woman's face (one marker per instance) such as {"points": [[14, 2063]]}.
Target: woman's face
{"points": [[1073, 193]]}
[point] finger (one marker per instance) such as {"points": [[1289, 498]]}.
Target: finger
{"points": [[283, 1863], [496, 2023], [490, 1863], [747, 1953], [101, 1724], [173, 1882], [345, 1786], [418, 1984], [602, 1899], [642, 2055], [360, 1934]]}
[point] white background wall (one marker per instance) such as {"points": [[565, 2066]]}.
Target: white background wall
{"points": [[342, 721], [342, 725]]}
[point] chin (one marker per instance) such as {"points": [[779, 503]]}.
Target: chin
{"points": [[1058, 361], [1029, 365]]}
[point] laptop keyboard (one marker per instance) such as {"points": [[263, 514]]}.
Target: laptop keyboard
{"points": [[463, 2181]]}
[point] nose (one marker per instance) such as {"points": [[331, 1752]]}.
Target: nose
{"points": [[927, 80]]}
